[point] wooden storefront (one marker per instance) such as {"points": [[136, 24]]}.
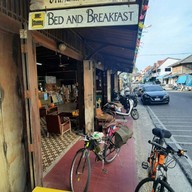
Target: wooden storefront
{"points": [[20, 137]]}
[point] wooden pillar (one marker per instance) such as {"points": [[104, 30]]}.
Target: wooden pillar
{"points": [[115, 82], [81, 105], [104, 87], [88, 96], [108, 85]]}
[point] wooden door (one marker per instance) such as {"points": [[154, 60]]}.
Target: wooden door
{"points": [[28, 51]]}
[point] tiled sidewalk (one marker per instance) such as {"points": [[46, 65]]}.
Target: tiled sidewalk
{"points": [[54, 146]]}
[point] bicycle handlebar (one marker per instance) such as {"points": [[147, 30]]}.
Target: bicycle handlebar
{"points": [[91, 136], [169, 149]]}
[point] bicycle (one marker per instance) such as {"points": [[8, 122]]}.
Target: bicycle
{"points": [[159, 137], [81, 169], [159, 183]]}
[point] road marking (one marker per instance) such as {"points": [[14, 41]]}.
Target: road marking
{"points": [[173, 139], [176, 123], [181, 126], [184, 117], [183, 130], [181, 135], [181, 143]]}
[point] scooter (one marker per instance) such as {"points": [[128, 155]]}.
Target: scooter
{"points": [[134, 97], [118, 97], [118, 108]]}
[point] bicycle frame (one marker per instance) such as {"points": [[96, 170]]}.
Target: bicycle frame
{"points": [[161, 166], [159, 161], [153, 162], [161, 174], [156, 158]]}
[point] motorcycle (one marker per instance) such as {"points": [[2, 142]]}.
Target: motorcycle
{"points": [[121, 108], [118, 97], [134, 97]]}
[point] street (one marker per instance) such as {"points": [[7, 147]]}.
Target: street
{"points": [[176, 118]]}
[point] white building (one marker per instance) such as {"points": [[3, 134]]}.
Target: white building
{"points": [[165, 68]]}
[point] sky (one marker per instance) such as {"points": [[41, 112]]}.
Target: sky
{"points": [[167, 32]]}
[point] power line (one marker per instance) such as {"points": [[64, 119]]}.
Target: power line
{"points": [[159, 54]]}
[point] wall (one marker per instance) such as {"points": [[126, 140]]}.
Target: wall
{"points": [[187, 68], [13, 159]]}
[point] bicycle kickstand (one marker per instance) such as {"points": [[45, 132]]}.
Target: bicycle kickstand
{"points": [[103, 167]]}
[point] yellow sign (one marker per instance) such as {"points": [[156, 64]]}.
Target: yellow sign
{"points": [[58, 4], [84, 17], [37, 20]]}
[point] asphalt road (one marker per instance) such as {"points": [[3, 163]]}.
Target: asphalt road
{"points": [[176, 118]]}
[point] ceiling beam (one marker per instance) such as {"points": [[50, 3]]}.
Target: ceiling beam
{"points": [[110, 44], [52, 45]]}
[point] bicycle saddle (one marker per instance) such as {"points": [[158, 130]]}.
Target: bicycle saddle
{"points": [[161, 133]]}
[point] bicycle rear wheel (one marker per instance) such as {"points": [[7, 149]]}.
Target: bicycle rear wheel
{"points": [[147, 185], [80, 171], [110, 150]]}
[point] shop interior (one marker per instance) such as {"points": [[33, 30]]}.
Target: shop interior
{"points": [[58, 103]]}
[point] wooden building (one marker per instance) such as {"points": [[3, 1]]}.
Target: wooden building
{"points": [[93, 53]]}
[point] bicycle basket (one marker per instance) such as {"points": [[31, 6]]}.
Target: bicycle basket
{"points": [[122, 135]]}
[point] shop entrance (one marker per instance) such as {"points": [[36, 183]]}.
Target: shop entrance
{"points": [[58, 104]]}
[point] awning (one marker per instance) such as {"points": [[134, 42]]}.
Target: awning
{"points": [[160, 77], [182, 79], [173, 76], [167, 76], [117, 46], [164, 76], [189, 80]]}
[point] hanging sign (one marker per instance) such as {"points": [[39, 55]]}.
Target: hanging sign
{"points": [[84, 17], [58, 4]]}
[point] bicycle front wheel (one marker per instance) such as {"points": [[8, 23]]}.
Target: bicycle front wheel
{"points": [[149, 184], [80, 171], [110, 150]]}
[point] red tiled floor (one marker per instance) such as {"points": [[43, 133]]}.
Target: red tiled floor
{"points": [[121, 174]]}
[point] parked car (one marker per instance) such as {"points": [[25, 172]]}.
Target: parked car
{"points": [[154, 94]]}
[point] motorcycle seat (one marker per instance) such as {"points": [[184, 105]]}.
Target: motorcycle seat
{"points": [[118, 104], [161, 133]]}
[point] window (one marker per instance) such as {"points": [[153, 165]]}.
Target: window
{"points": [[167, 69]]}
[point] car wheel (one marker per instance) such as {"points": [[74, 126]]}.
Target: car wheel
{"points": [[144, 102]]}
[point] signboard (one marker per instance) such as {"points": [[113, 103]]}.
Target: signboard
{"points": [[57, 4], [84, 17]]}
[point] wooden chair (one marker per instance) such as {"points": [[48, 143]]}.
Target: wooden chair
{"points": [[102, 118], [47, 110], [58, 124]]}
